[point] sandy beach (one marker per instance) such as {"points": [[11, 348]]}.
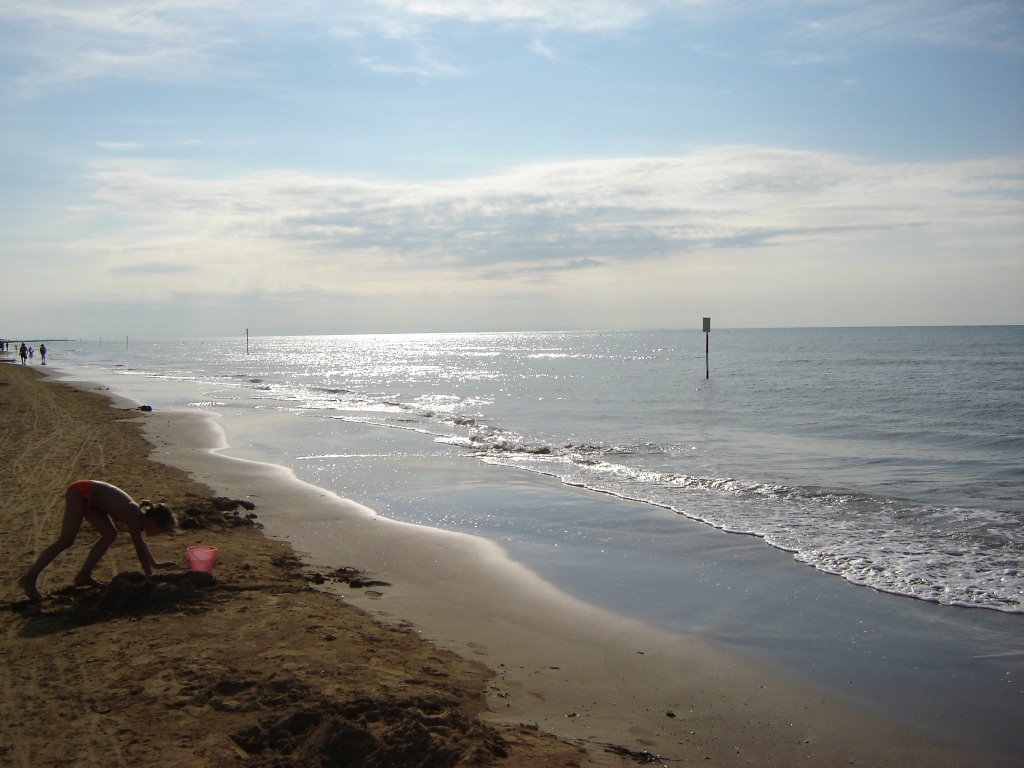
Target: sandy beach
{"points": [[390, 645], [255, 669]]}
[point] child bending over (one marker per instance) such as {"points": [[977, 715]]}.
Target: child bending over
{"points": [[101, 504]]}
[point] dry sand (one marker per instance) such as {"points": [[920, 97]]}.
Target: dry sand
{"points": [[257, 668]]}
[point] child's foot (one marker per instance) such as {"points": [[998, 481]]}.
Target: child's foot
{"points": [[29, 585], [87, 581]]}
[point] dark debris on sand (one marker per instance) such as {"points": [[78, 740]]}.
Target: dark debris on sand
{"points": [[352, 576], [292, 725], [218, 511], [642, 757], [345, 575]]}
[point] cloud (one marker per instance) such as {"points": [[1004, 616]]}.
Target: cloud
{"points": [[992, 24], [58, 42], [621, 242], [62, 42], [424, 64], [121, 146], [140, 147], [542, 49], [299, 231], [996, 24], [575, 15], [154, 268]]}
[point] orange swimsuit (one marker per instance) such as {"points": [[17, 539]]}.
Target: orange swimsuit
{"points": [[84, 488]]}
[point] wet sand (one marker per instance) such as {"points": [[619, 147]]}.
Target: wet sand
{"points": [[259, 666]]}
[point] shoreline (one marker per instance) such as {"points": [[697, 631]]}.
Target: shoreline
{"points": [[575, 670], [949, 674], [465, 594]]}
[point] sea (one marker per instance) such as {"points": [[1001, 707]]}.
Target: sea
{"points": [[890, 460]]}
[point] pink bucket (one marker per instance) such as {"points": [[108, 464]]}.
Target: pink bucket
{"points": [[202, 558]]}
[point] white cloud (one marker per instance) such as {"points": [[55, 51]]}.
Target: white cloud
{"points": [[542, 49], [574, 15], [66, 41], [303, 232], [423, 64], [121, 146], [138, 146], [763, 235], [57, 50], [995, 24]]}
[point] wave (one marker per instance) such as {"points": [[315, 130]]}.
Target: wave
{"points": [[955, 555]]}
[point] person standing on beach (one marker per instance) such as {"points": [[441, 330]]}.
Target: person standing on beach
{"points": [[23, 352], [42, 352], [101, 504]]}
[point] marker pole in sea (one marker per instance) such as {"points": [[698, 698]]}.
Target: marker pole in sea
{"points": [[247, 341], [707, 347]]}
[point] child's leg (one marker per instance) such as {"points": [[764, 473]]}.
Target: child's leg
{"points": [[108, 533], [74, 513]]}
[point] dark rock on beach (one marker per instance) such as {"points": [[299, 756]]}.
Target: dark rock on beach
{"points": [[218, 511]]}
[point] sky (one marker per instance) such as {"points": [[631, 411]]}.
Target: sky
{"points": [[196, 168]]}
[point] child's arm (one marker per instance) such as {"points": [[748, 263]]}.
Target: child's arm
{"points": [[142, 552], [145, 556]]}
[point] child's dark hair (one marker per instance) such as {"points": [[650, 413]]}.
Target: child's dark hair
{"points": [[160, 514]]}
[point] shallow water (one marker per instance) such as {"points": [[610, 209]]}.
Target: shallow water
{"points": [[890, 457]]}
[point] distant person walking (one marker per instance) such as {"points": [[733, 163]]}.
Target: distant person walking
{"points": [[24, 353], [101, 504], [42, 352]]}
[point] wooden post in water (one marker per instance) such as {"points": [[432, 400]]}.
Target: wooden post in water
{"points": [[707, 347], [247, 341]]}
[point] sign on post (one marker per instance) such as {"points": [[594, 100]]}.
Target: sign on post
{"points": [[707, 347]]}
